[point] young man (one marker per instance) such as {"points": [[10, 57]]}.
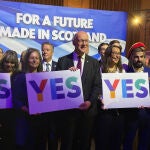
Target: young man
{"points": [[101, 50], [137, 118]]}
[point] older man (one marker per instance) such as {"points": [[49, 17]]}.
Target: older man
{"points": [[81, 120]]}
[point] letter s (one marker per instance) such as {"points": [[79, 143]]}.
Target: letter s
{"points": [[141, 88], [4, 89], [75, 88]]}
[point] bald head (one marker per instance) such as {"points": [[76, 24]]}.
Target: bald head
{"points": [[81, 42]]}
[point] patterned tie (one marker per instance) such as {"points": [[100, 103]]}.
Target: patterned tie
{"points": [[79, 64], [47, 67]]}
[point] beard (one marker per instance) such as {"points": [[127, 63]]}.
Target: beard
{"points": [[138, 64]]}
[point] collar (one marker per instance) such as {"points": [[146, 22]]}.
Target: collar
{"points": [[50, 62], [138, 70], [75, 56]]}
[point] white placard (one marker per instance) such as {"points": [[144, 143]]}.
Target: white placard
{"points": [[53, 91], [5, 91], [125, 90]]}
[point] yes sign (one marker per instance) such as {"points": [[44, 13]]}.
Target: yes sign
{"points": [[125, 89], [5, 91], [55, 87], [56, 90]]}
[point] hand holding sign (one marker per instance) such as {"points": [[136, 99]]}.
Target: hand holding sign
{"points": [[84, 106], [53, 91]]}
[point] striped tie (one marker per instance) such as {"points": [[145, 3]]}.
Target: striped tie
{"points": [[47, 67]]}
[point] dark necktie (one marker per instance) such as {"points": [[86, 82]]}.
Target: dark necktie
{"points": [[47, 67], [79, 64]]}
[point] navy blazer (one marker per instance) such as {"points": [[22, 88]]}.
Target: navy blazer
{"points": [[91, 78]]}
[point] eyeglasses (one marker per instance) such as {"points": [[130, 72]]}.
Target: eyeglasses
{"points": [[115, 53]]}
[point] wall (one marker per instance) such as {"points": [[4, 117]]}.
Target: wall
{"points": [[145, 4], [77, 3]]}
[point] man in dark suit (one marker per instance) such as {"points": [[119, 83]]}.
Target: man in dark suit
{"points": [[137, 118], [50, 123], [47, 54], [80, 121]]}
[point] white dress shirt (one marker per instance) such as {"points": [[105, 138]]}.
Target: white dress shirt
{"points": [[44, 65]]}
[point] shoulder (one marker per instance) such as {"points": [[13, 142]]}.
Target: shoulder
{"points": [[128, 69], [147, 69], [16, 74], [125, 67], [69, 56], [91, 59], [54, 62], [20, 76]]}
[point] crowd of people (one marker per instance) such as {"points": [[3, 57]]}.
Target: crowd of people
{"points": [[111, 129]]}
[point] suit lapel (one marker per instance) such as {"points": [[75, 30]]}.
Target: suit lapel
{"points": [[85, 68], [53, 66], [70, 60]]}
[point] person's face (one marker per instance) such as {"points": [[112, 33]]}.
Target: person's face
{"points": [[9, 66], [47, 52], [34, 60], [81, 43], [115, 55], [102, 50], [138, 59]]}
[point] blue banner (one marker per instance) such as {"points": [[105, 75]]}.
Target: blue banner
{"points": [[24, 25]]}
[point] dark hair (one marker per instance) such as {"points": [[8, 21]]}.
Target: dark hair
{"points": [[1, 50], [27, 55], [107, 59], [114, 41], [139, 49], [12, 57], [102, 44]]}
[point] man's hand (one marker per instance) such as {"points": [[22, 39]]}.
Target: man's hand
{"points": [[73, 68], [84, 106]]}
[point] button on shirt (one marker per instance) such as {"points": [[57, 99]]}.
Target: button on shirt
{"points": [[45, 65], [75, 60]]}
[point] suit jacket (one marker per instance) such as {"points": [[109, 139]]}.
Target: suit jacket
{"points": [[54, 64], [91, 78]]}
